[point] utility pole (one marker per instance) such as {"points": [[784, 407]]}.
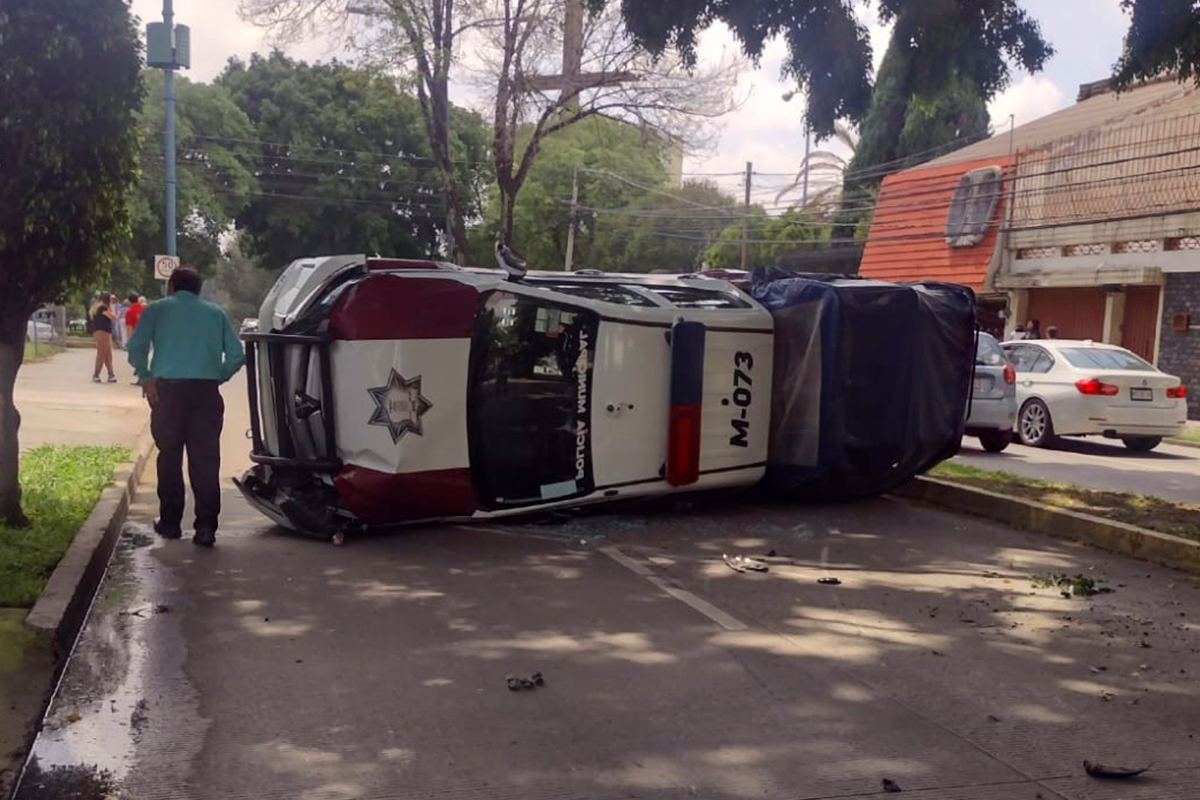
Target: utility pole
{"points": [[574, 220], [168, 47], [745, 215], [807, 166]]}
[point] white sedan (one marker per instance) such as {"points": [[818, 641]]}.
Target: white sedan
{"points": [[1084, 388]]}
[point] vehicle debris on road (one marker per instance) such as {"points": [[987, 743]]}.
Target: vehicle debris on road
{"points": [[890, 786], [745, 563], [1102, 771], [516, 684], [830, 581]]}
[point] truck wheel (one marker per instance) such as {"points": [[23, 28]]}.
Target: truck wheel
{"points": [[1141, 444], [1034, 427], [995, 441]]}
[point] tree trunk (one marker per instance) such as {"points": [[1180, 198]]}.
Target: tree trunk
{"points": [[508, 205], [12, 353], [439, 91]]}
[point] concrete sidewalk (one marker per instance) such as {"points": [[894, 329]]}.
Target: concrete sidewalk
{"points": [[59, 404], [276, 667]]}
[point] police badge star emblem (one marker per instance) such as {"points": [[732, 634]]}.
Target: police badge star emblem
{"points": [[399, 406]]}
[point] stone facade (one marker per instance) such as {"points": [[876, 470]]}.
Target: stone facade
{"points": [[1179, 351]]}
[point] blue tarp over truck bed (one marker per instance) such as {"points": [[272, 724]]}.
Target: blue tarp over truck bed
{"points": [[872, 380]]}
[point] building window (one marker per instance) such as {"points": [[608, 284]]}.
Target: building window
{"points": [[972, 206], [1140, 246], [1039, 252], [1087, 250], [1184, 243]]}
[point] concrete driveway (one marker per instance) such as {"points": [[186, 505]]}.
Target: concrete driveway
{"points": [[275, 667], [1170, 471]]}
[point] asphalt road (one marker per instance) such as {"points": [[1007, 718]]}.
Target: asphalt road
{"points": [[1170, 471], [276, 667]]}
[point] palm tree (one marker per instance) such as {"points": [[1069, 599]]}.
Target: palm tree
{"points": [[822, 165]]}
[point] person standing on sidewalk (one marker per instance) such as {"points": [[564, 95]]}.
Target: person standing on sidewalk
{"points": [[102, 317], [195, 350]]}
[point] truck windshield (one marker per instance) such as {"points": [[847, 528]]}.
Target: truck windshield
{"points": [[529, 400]]}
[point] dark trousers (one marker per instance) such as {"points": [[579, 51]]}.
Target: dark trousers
{"points": [[189, 415]]}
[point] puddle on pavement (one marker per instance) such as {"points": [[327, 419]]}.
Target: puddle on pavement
{"points": [[124, 698]]}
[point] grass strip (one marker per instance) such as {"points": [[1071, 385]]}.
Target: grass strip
{"points": [[60, 484], [44, 351], [1154, 513]]}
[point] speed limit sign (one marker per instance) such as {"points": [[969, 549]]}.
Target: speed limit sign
{"points": [[164, 266]]}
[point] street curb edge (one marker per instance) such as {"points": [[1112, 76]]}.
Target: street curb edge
{"points": [[64, 602], [1028, 515]]}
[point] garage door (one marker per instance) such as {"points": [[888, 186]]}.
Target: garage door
{"points": [[1077, 313], [1141, 320]]}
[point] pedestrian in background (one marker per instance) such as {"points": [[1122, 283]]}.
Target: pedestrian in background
{"points": [[1052, 332], [118, 309], [195, 350], [101, 317], [133, 312]]}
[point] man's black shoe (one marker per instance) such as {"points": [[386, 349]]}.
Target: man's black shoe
{"points": [[167, 531], [205, 537]]}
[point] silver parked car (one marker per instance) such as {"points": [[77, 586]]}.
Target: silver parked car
{"points": [[993, 396]]}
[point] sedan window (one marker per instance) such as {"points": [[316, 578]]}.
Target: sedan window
{"points": [[1042, 363], [1104, 358], [988, 352], [1027, 358]]}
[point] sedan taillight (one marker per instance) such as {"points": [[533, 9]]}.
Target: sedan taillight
{"points": [[1177, 392], [1095, 386], [1010, 374]]}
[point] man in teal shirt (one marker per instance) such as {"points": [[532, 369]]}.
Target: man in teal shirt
{"points": [[195, 350]]}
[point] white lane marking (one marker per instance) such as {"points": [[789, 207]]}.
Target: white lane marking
{"points": [[706, 608], [627, 562]]}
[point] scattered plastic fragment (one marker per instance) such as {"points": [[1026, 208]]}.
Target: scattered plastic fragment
{"points": [[516, 684], [1103, 771], [829, 581], [744, 563], [891, 786]]}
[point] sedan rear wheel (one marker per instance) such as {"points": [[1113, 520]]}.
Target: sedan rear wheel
{"points": [[1034, 427], [1142, 444]]}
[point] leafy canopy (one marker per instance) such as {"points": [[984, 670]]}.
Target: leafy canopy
{"points": [[343, 161], [542, 212], [829, 50], [214, 181], [70, 90], [1163, 36]]}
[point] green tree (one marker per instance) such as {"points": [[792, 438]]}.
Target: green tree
{"points": [[1163, 38], [669, 231], [213, 181], [343, 162], [770, 238], [70, 90], [829, 50], [945, 61], [542, 213], [238, 284]]}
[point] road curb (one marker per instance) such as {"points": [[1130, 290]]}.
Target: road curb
{"points": [[1183, 442], [63, 604], [1116, 537]]}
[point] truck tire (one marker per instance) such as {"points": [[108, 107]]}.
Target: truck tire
{"points": [[995, 441]]}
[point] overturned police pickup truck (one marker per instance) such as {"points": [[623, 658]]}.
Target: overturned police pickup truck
{"points": [[392, 391]]}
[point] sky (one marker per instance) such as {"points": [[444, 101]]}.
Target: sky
{"points": [[767, 130]]}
